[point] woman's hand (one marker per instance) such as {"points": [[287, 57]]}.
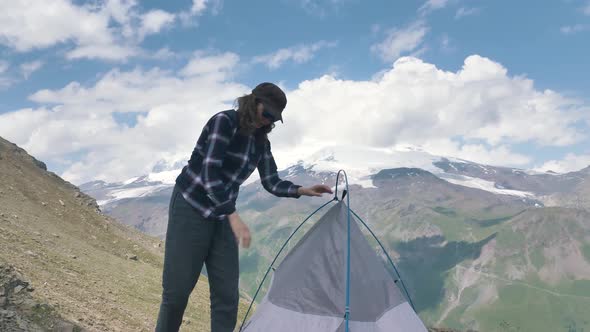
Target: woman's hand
{"points": [[240, 229], [316, 190]]}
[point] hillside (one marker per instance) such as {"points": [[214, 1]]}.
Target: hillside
{"points": [[78, 267]]}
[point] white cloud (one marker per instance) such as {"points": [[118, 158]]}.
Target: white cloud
{"points": [[399, 41], [28, 68], [219, 66], [32, 24], [153, 21], [481, 153], [198, 8], [171, 109], [416, 103], [464, 11], [105, 52], [106, 29], [570, 163], [476, 113], [572, 29], [432, 5], [586, 9], [297, 54]]}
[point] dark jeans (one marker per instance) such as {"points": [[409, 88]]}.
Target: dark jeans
{"points": [[192, 240]]}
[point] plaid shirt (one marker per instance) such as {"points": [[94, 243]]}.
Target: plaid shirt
{"points": [[221, 161]]}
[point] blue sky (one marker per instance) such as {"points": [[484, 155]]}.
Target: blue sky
{"points": [[79, 69]]}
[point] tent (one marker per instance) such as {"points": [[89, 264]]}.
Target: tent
{"points": [[332, 280]]}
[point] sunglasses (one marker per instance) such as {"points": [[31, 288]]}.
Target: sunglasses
{"points": [[269, 116]]}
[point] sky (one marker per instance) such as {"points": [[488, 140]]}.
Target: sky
{"points": [[109, 89]]}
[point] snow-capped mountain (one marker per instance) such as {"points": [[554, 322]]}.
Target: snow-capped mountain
{"points": [[141, 186], [360, 164]]}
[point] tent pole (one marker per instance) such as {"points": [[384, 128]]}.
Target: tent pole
{"points": [[347, 307], [277, 256]]}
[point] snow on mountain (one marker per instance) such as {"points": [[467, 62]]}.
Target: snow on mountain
{"points": [[118, 194], [367, 161], [165, 177], [476, 183], [359, 162], [161, 178]]}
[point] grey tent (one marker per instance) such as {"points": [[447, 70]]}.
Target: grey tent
{"points": [[308, 290]]}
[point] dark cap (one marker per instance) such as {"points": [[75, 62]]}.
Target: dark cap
{"points": [[272, 97]]}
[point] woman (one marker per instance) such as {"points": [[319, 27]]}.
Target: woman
{"points": [[204, 226]]}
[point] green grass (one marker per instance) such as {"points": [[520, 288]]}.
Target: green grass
{"points": [[445, 211], [522, 308], [509, 239], [456, 318]]}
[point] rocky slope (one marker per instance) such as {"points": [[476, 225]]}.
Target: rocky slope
{"points": [[76, 266]]}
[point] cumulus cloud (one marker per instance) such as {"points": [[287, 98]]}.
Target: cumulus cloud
{"points": [[298, 54], [399, 41], [107, 29], [570, 163], [477, 113], [170, 109], [154, 21], [32, 24], [416, 103], [500, 155], [198, 8]]}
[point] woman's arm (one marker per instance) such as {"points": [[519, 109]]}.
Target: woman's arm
{"points": [[267, 169]]}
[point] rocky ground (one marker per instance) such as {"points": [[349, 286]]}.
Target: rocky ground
{"points": [[19, 311]]}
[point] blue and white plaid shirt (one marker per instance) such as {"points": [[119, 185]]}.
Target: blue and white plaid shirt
{"points": [[221, 161]]}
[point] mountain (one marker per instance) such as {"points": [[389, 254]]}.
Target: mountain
{"points": [[66, 266], [578, 196], [480, 247], [142, 202], [472, 259]]}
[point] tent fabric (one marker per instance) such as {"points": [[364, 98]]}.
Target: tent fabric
{"points": [[308, 290]]}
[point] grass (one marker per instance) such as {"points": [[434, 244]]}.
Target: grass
{"points": [[520, 308]]}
